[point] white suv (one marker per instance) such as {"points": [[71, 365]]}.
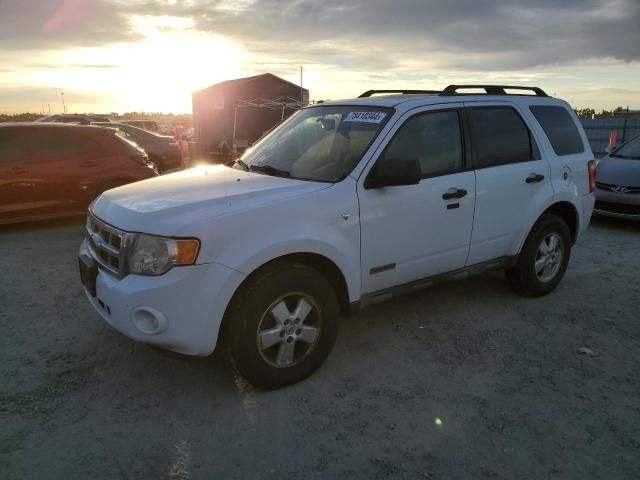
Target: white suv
{"points": [[344, 204]]}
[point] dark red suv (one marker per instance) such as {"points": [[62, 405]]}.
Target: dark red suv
{"points": [[56, 170]]}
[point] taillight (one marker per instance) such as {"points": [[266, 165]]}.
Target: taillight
{"points": [[592, 175]]}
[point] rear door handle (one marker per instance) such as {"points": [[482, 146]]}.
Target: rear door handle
{"points": [[16, 170], [534, 178], [454, 192]]}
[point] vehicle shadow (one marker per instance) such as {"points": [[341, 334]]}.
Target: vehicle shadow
{"points": [[615, 224], [42, 225]]}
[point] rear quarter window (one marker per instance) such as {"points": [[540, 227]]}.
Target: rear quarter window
{"points": [[560, 129]]}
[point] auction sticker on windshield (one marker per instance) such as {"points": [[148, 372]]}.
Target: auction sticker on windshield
{"points": [[368, 117]]}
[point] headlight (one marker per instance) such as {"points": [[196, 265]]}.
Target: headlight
{"points": [[151, 255]]}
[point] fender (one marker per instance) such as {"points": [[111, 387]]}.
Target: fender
{"points": [[325, 222], [557, 198]]}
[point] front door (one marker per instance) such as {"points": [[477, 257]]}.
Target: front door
{"points": [[16, 193], [513, 181], [415, 231]]}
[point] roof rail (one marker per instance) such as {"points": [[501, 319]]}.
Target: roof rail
{"points": [[491, 90], [370, 93]]}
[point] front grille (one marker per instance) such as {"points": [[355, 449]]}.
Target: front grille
{"points": [[617, 208], [617, 188], [106, 244]]}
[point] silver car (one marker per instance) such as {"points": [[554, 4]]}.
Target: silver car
{"points": [[618, 182]]}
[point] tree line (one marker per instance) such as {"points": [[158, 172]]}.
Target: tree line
{"points": [[591, 112], [182, 120]]}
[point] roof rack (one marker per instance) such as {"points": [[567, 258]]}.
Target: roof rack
{"points": [[370, 93], [491, 90]]}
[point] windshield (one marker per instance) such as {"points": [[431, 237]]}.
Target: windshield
{"points": [[631, 149], [320, 143]]}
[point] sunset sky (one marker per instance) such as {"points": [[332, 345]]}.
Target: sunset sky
{"points": [[149, 55]]}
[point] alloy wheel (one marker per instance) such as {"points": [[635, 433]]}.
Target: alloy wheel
{"points": [[289, 330]]}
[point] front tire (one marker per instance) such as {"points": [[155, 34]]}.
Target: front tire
{"points": [[282, 325], [543, 259]]}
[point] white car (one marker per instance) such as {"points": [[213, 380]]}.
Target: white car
{"points": [[345, 204]]}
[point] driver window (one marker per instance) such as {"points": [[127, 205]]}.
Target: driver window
{"points": [[434, 139]]}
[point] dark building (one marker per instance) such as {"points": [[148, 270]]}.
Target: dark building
{"points": [[255, 104]]}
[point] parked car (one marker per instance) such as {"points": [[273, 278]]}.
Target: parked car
{"points": [[162, 150], [150, 125], [75, 118], [345, 204], [618, 182], [50, 170]]}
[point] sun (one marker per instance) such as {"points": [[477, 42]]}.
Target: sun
{"points": [[157, 73]]}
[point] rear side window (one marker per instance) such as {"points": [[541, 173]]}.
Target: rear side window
{"points": [[560, 128], [499, 136], [54, 143]]}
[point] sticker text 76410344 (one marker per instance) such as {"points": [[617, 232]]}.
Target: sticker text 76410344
{"points": [[367, 117]]}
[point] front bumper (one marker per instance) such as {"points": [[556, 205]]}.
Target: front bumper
{"points": [[181, 310], [617, 205]]}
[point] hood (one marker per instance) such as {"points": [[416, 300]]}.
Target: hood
{"points": [[168, 204], [618, 171]]}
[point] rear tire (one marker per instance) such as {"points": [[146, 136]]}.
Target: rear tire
{"points": [[543, 259], [281, 326]]}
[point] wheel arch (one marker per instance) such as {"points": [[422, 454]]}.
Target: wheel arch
{"points": [[318, 262], [569, 213], [563, 209]]}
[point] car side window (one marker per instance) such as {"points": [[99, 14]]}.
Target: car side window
{"points": [[433, 138], [560, 129], [500, 137], [57, 144]]}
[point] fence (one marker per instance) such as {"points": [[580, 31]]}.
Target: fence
{"points": [[598, 130]]}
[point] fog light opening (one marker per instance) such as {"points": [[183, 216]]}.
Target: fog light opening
{"points": [[149, 320]]}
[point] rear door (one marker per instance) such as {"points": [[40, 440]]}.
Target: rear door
{"points": [[512, 179], [66, 169], [16, 192]]}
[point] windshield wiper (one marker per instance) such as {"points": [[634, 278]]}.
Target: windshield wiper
{"points": [[269, 170], [617, 155], [244, 166]]}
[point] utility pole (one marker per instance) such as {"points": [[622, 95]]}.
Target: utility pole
{"points": [[64, 108], [301, 95]]}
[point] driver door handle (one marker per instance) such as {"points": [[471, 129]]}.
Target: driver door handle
{"points": [[454, 192], [534, 178], [88, 163]]}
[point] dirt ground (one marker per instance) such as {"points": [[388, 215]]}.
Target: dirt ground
{"points": [[465, 380]]}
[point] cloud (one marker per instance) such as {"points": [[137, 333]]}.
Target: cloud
{"points": [[343, 44], [51, 24], [461, 34], [364, 35]]}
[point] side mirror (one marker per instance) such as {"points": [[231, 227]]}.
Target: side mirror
{"points": [[610, 149], [394, 172]]}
